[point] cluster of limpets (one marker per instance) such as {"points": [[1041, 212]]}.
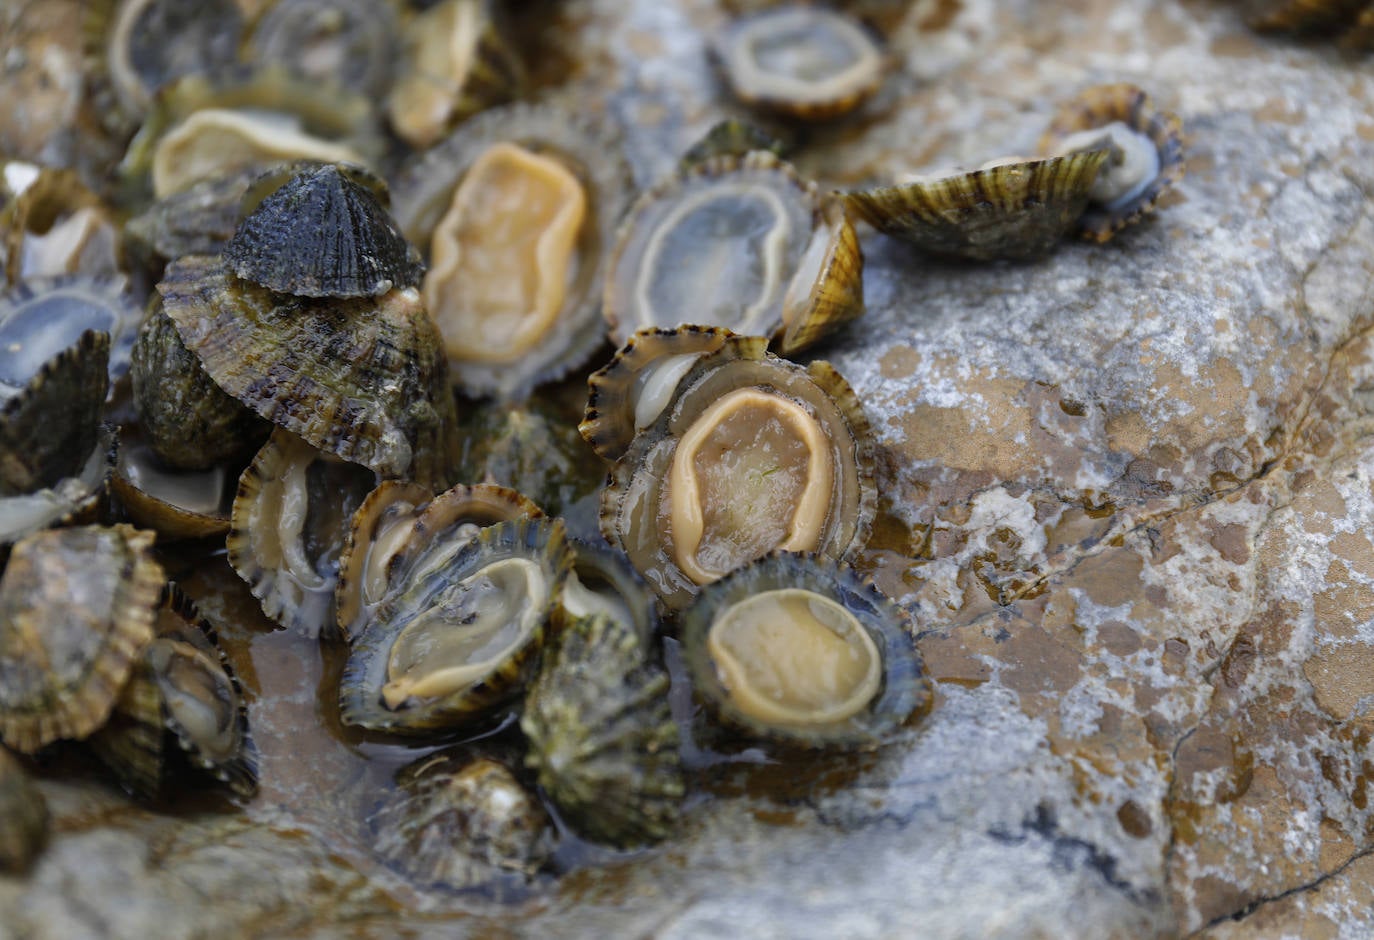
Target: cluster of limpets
{"points": [[300, 340]]}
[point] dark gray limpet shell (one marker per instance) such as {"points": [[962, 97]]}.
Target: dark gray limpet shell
{"points": [[183, 709], [602, 738], [73, 500], [799, 650], [322, 234], [48, 429], [458, 634]]}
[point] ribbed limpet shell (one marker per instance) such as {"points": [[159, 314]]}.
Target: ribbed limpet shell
{"points": [[288, 527], [76, 609], [517, 211], [801, 61], [459, 633], [72, 500], [187, 420], [602, 739], [1304, 16], [799, 650], [1145, 153], [323, 234], [458, 821], [24, 817], [730, 138], [48, 428], [1017, 209], [363, 378], [458, 62], [717, 244], [183, 708], [799, 473]]}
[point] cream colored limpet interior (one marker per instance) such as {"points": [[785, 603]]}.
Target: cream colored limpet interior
{"points": [[218, 141], [388, 541], [504, 254], [197, 693], [719, 248], [752, 474], [464, 633], [1132, 164], [795, 657], [655, 385], [442, 44]]}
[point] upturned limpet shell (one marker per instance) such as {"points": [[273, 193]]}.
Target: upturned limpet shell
{"points": [[361, 378], [717, 244], [458, 821], [459, 633], [288, 527], [177, 504], [1014, 210], [350, 44], [73, 500], [203, 127], [23, 817], [753, 454], [799, 650], [134, 47], [183, 709], [1145, 153], [54, 226], [322, 234], [517, 211], [801, 61], [76, 609], [42, 317], [628, 394], [603, 582], [602, 739], [457, 63], [827, 290]]}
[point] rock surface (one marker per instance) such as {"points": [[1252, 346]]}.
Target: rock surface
{"points": [[1128, 494]]}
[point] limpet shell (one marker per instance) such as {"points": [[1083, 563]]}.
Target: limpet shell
{"points": [[350, 44], [76, 609], [183, 709], [42, 317], [288, 527], [1131, 125], [459, 633], [458, 821], [1017, 210], [322, 234], [185, 504], [799, 650], [364, 378], [753, 454], [56, 226], [602, 739], [24, 818], [801, 61]]}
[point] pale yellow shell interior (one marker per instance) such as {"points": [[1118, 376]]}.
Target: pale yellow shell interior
{"points": [[220, 141], [466, 632], [504, 254], [752, 474], [794, 657], [198, 695], [441, 43]]}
